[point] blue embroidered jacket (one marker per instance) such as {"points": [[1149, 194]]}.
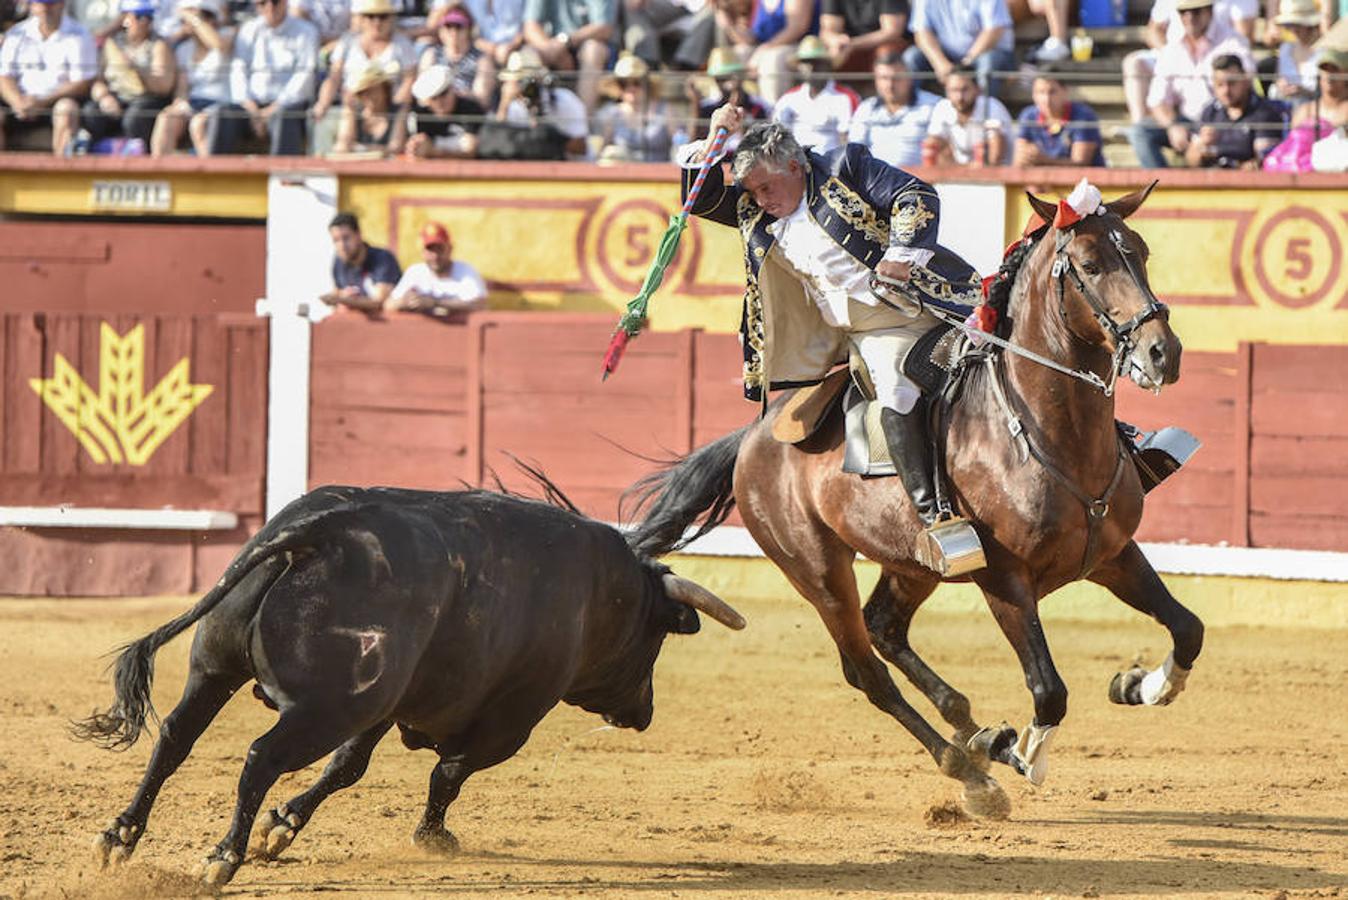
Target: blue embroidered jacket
{"points": [[867, 206]]}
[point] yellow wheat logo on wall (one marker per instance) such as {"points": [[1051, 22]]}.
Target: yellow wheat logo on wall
{"points": [[120, 423]]}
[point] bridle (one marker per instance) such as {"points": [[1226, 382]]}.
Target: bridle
{"points": [[1120, 334]]}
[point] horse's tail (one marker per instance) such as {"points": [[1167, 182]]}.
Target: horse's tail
{"points": [[700, 486], [133, 673]]}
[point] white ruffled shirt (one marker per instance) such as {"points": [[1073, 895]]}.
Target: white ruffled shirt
{"points": [[831, 275]]}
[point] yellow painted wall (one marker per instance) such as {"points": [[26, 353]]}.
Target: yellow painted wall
{"points": [[53, 192]]}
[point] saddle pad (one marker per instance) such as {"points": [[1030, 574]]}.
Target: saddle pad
{"points": [[804, 411], [932, 357]]}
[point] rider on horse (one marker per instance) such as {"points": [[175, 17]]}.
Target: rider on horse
{"points": [[816, 228]]}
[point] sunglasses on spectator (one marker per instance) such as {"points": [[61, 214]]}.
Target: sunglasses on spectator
{"points": [[379, 17], [453, 25], [261, 3], [143, 17]]}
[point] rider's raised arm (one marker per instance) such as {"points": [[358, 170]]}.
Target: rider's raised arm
{"points": [[914, 207], [716, 200]]}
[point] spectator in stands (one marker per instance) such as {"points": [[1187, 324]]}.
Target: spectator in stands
{"points": [[47, 65], [690, 23], [894, 122], [635, 128], [1057, 130], [573, 37], [202, 80], [967, 128], [369, 118], [1054, 13], [440, 284], [818, 111], [1180, 86], [725, 68], [474, 71], [1166, 26], [768, 44], [374, 42], [442, 124], [332, 18], [1330, 153], [964, 34], [1238, 128], [136, 79], [855, 30], [528, 97], [272, 82], [363, 277], [1297, 58], [500, 27]]}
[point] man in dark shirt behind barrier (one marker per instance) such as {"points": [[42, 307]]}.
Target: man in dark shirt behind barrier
{"points": [[363, 276], [1238, 128]]}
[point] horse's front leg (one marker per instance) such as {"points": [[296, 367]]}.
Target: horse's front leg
{"points": [[1132, 579], [1016, 609]]}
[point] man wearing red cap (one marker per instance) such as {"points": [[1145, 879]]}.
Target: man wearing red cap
{"points": [[439, 284]]}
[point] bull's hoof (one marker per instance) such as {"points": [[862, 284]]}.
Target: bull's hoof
{"points": [[115, 845], [985, 799], [219, 867], [992, 744], [276, 831], [1126, 687], [440, 841]]}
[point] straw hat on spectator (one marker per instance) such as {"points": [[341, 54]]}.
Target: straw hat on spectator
{"points": [[1298, 12], [523, 63], [811, 47], [723, 63], [1186, 5], [629, 65], [1333, 56], [372, 76], [373, 8]]}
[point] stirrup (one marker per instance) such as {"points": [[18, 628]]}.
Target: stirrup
{"points": [[1160, 454], [950, 547]]}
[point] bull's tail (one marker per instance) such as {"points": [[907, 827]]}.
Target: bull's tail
{"points": [[699, 488], [133, 673]]}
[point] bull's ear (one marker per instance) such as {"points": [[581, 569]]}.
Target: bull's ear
{"points": [[684, 620], [1126, 205], [1045, 209]]}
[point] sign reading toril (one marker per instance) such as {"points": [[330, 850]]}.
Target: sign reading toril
{"points": [[131, 195]]}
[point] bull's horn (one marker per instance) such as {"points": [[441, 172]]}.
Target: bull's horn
{"points": [[699, 598]]}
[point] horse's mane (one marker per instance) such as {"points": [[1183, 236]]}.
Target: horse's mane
{"points": [[999, 291]]}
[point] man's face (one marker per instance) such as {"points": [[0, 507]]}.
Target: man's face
{"points": [[49, 13], [438, 257], [378, 24], [1050, 97], [455, 37], [1231, 88], [731, 88], [962, 91], [893, 84], [1333, 82], [346, 243], [1196, 21], [778, 193]]}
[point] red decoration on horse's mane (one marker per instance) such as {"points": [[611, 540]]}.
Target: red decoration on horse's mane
{"points": [[1066, 217]]}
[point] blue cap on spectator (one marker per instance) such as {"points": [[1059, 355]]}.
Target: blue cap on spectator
{"points": [[138, 7], [46, 1]]}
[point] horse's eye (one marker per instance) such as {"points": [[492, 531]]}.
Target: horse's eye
{"points": [[1090, 268]]}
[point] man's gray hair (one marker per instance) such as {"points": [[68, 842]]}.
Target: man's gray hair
{"points": [[767, 144]]}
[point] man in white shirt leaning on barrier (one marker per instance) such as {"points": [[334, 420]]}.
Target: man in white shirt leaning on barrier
{"points": [[440, 284]]}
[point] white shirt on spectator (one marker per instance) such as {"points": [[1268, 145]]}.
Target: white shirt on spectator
{"points": [[964, 136], [958, 23], [821, 121], [275, 65], [1305, 73], [1182, 77], [397, 59], [562, 108], [1226, 13], [41, 65], [497, 21], [333, 17], [894, 137], [461, 287], [207, 77], [1330, 154]]}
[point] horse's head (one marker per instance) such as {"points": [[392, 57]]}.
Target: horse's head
{"points": [[1100, 281]]}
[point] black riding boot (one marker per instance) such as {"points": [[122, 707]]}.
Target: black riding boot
{"points": [[906, 436]]}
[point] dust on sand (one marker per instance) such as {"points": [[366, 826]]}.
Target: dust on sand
{"points": [[763, 774]]}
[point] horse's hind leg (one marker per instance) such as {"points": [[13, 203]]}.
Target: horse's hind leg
{"points": [[278, 827], [202, 699], [888, 614], [833, 592], [1132, 579]]}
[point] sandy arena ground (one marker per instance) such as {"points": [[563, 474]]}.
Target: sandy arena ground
{"points": [[762, 775]]}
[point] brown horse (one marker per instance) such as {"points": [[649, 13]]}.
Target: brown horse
{"points": [[1054, 505]]}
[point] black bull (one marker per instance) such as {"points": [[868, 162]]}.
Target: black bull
{"points": [[461, 617]]}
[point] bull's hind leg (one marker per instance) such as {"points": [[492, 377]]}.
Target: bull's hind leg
{"points": [[202, 699], [889, 613], [278, 827], [1132, 579]]}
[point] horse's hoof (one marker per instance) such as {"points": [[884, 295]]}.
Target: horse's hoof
{"points": [[115, 844], [965, 739], [440, 841], [220, 867], [1126, 687], [984, 799], [992, 744], [276, 831]]}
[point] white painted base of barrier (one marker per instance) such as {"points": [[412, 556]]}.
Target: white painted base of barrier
{"points": [[1174, 559], [91, 517]]}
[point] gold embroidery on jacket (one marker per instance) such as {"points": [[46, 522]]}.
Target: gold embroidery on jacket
{"points": [[753, 333], [854, 211], [909, 219]]}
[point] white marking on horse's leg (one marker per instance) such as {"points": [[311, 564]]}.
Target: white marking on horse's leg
{"points": [[1163, 684], [1032, 751]]}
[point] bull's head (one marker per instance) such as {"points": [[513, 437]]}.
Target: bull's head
{"points": [[627, 699]]}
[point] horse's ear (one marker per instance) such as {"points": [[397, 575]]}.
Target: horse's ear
{"points": [[1045, 209], [1126, 205]]}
